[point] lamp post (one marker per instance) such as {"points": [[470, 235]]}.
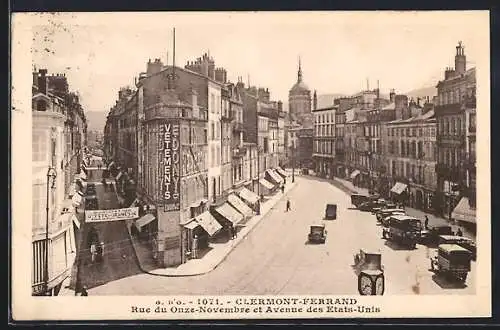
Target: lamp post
{"points": [[51, 176]]}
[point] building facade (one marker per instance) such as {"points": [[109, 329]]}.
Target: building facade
{"points": [[58, 137], [324, 141], [456, 105]]}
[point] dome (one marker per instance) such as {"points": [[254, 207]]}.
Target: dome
{"points": [[300, 88]]}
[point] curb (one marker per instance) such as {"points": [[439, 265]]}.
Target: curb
{"points": [[263, 215]]}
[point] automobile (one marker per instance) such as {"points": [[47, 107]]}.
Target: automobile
{"points": [[452, 261], [431, 236], [383, 213], [403, 229], [370, 272], [91, 203], [317, 233], [90, 190], [370, 205], [331, 212], [358, 199], [462, 241]]}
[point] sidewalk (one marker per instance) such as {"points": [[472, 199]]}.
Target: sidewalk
{"points": [[349, 188], [215, 255]]}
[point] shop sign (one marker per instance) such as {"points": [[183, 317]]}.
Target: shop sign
{"points": [[169, 156], [111, 215]]}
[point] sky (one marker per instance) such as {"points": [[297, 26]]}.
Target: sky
{"points": [[339, 51]]}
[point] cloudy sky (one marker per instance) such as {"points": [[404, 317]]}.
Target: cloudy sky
{"points": [[100, 52]]}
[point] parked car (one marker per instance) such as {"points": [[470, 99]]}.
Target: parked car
{"points": [[403, 229], [371, 205], [462, 241], [431, 236], [91, 190], [358, 199], [317, 233], [453, 261], [383, 213], [331, 212]]}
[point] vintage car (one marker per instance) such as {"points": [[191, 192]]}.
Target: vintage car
{"points": [[90, 190], [452, 261], [317, 234], [462, 241], [91, 202], [373, 204], [383, 213], [431, 236], [358, 199], [403, 229], [331, 212], [370, 272]]}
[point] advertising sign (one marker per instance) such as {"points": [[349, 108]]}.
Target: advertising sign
{"points": [[170, 165], [111, 215]]}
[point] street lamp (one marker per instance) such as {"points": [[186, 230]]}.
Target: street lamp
{"points": [[51, 179]]}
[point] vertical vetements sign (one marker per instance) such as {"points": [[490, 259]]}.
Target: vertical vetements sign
{"points": [[170, 165]]}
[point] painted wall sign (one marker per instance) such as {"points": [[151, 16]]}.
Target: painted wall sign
{"points": [[170, 165], [111, 215]]}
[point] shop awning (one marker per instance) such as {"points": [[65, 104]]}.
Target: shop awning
{"points": [[266, 184], [191, 224], [119, 176], [354, 174], [463, 211], [209, 223], [77, 199], [144, 220], [274, 176], [249, 196], [228, 212], [281, 172], [239, 205], [134, 203], [110, 165], [398, 188]]}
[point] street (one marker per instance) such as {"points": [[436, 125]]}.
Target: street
{"points": [[119, 259], [275, 257]]}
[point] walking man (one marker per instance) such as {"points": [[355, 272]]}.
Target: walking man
{"points": [[288, 208], [233, 232], [459, 232], [426, 223], [282, 188], [195, 247]]}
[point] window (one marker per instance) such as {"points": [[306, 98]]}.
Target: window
{"points": [[420, 132], [212, 130], [38, 205], [459, 126], [39, 146], [403, 132]]}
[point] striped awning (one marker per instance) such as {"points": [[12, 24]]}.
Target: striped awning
{"points": [[144, 220], [239, 205], [281, 172], [249, 196], [274, 176], [208, 223], [463, 211], [398, 188], [229, 213], [266, 184]]}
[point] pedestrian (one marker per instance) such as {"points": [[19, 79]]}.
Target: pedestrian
{"points": [[426, 223], [282, 188], [284, 179], [288, 207], [83, 291], [459, 232], [234, 232], [195, 247], [93, 252]]}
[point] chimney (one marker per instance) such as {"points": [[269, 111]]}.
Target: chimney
{"points": [[460, 60], [392, 94], [401, 106], [42, 81]]}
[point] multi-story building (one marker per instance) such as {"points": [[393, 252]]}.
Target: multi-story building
{"points": [[324, 141], [58, 133], [340, 161], [411, 158], [456, 104]]}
